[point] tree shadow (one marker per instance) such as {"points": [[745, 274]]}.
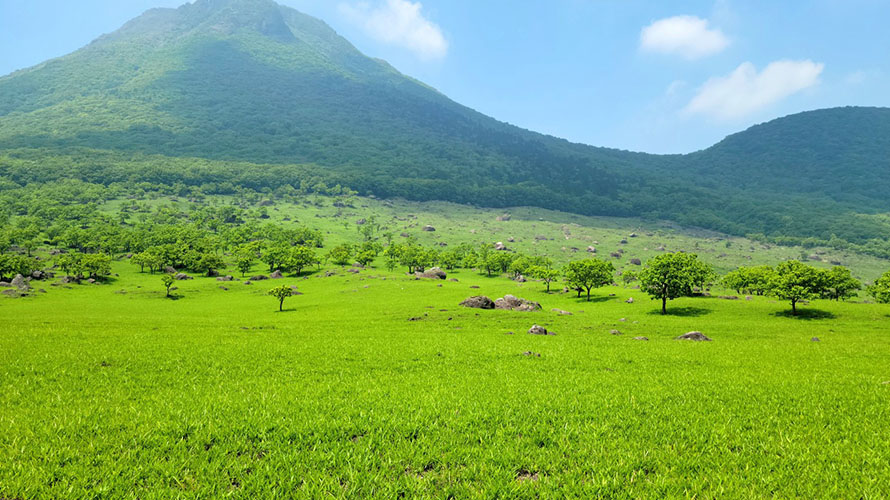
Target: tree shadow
{"points": [[174, 296], [594, 299], [286, 311], [685, 312], [805, 314]]}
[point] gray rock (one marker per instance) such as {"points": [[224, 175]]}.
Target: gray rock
{"points": [[500, 246], [629, 301], [434, 273], [591, 249], [20, 283], [429, 229], [183, 277], [512, 303], [694, 336], [615, 332], [636, 262], [169, 270], [225, 278], [539, 330], [478, 302], [259, 277], [641, 338], [815, 339], [561, 312], [276, 275]]}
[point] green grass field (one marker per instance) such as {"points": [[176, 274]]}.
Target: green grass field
{"points": [[376, 385]]}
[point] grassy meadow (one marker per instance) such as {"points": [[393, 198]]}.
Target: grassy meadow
{"points": [[377, 385]]}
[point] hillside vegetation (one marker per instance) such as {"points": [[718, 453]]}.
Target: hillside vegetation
{"points": [[249, 90]]}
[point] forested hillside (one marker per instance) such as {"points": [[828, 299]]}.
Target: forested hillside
{"points": [[224, 93]]}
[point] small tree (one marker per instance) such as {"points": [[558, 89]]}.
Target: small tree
{"points": [[881, 289], [545, 274], [629, 277], [795, 281], [673, 275], [589, 274], [840, 284], [341, 255], [244, 262], [281, 292], [168, 280]]}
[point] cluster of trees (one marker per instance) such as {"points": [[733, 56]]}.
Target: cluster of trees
{"points": [[12, 265], [794, 281]]}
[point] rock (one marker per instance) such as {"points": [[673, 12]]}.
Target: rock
{"points": [[405, 235], [266, 203], [4, 284], [259, 277], [520, 279], [276, 275], [815, 339], [248, 283], [9, 292], [225, 278], [729, 297], [454, 280], [748, 297], [629, 301], [429, 229], [541, 238], [434, 273], [512, 303], [37, 275], [20, 283], [695, 336], [615, 255], [615, 332], [531, 354], [511, 240], [475, 287], [539, 330], [560, 311], [500, 246], [660, 248], [361, 222], [213, 273], [636, 262], [641, 338], [169, 270], [223, 288], [91, 281], [815, 258], [633, 235], [503, 218], [591, 249], [182, 277], [478, 302], [624, 242]]}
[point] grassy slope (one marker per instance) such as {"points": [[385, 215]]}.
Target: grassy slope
{"points": [[114, 390]]}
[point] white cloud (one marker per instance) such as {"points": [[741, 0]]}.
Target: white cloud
{"points": [[402, 23], [687, 36], [746, 91], [856, 78]]}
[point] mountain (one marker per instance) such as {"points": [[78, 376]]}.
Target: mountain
{"points": [[252, 87]]}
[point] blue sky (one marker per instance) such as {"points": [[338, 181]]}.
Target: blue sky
{"points": [[644, 75]]}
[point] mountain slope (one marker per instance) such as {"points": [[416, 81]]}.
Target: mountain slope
{"points": [[252, 81]]}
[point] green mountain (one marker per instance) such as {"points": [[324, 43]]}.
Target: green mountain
{"points": [[250, 92]]}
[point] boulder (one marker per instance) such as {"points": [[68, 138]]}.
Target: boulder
{"points": [[434, 273], [636, 262], [182, 277], [629, 301], [531, 354], [615, 255], [500, 246], [633, 235], [641, 338], [37, 275], [169, 270], [624, 242], [213, 273], [541, 238], [20, 283], [259, 277], [429, 229], [729, 297], [512, 303], [591, 249], [520, 279], [225, 278], [560, 311], [539, 330], [503, 218], [815, 339], [4, 284], [10, 292], [361, 222], [615, 332], [694, 336], [276, 275], [478, 302], [511, 240]]}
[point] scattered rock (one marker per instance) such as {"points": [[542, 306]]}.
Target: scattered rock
{"points": [[475, 287], [429, 229], [182, 277], [248, 282], [615, 255], [531, 354], [223, 288], [633, 235], [503, 218], [259, 277], [695, 336], [541, 238], [642, 338], [478, 302], [511, 240], [624, 242], [276, 275], [815, 339], [434, 273], [748, 297], [20, 283], [591, 249], [37, 275], [520, 279], [560, 311], [454, 280], [225, 278], [328, 274], [10, 292], [615, 332], [729, 297], [636, 262], [500, 246], [361, 222], [4, 284], [539, 330], [629, 301], [169, 270], [512, 303]]}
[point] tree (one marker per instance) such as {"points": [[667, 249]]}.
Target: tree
{"points": [[341, 255], [281, 292], [300, 258], [840, 284], [629, 277], [168, 280], [673, 275], [795, 281], [546, 274], [749, 279], [244, 261], [209, 263], [589, 274], [881, 289]]}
